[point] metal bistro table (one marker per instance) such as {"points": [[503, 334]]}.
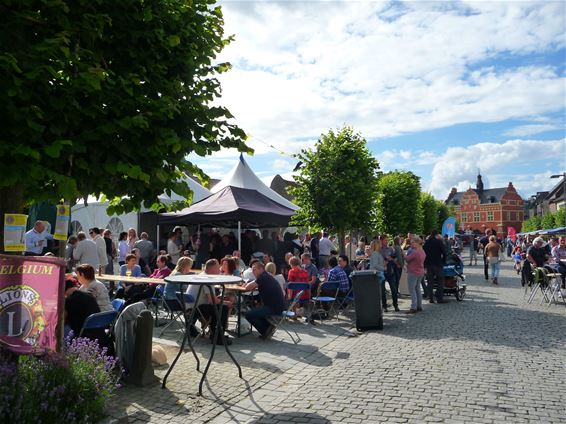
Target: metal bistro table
{"points": [[208, 282]]}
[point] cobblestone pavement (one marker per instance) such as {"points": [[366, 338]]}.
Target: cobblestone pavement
{"points": [[489, 359]]}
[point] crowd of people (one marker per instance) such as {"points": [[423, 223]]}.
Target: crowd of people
{"points": [[270, 262]]}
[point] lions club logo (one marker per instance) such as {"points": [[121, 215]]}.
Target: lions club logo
{"points": [[21, 313]]}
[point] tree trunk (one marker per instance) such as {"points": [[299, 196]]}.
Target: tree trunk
{"points": [[11, 201]]}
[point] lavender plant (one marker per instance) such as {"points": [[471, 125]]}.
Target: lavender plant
{"points": [[72, 386]]}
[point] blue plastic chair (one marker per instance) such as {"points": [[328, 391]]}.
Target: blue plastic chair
{"points": [[298, 287], [100, 320], [118, 304], [319, 301]]}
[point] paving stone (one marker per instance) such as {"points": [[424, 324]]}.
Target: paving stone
{"points": [[488, 359]]}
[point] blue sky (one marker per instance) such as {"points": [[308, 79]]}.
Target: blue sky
{"points": [[438, 88]]}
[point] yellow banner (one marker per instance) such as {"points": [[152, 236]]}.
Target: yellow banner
{"points": [[15, 232], [62, 223]]}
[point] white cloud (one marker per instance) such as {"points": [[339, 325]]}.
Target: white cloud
{"points": [[386, 68], [281, 165], [527, 130], [498, 162]]}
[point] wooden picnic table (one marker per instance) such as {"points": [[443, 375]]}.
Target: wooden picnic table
{"points": [[129, 280]]}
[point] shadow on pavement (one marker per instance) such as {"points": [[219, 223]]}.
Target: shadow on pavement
{"points": [[302, 417]]}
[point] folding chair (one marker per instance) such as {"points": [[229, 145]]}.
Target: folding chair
{"points": [[540, 283], [552, 293], [175, 310], [156, 300], [118, 304], [279, 321], [320, 300], [100, 320], [346, 301], [296, 286]]}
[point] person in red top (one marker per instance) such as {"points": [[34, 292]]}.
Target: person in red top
{"points": [[297, 275], [160, 272]]}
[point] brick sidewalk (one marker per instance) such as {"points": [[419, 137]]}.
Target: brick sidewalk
{"points": [[489, 359]]}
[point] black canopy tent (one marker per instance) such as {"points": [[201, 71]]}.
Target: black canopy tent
{"points": [[230, 207]]}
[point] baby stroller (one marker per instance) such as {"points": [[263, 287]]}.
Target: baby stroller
{"points": [[454, 278]]}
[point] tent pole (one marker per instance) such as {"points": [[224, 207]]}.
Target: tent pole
{"points": [[157, 240], [240, 236]]}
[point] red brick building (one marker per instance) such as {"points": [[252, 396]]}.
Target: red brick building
{"points": [[495, 208]]}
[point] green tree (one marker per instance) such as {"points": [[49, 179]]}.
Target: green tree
{"points": [[547, 221], [398, 195], [559, 218], [335, 184], [443, 212], [108, 97], [531, 224], [429, 210]]}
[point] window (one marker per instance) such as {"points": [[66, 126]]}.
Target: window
{"points": [[464, 217], [489, 215], [512, 216], [476, 217]]}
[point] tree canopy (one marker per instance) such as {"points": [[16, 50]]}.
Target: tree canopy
{"points": [[336, 182], [398, 194], [109, 97]]}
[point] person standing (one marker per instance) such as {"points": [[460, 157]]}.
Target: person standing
{"points": [[100, 246], [325, 249], [110, 254], [376, 263], [491, 252], [473, 250], [122, 247], [85, 251], [173, 248], [36, 239], [145, 247], [315, 249], [132, 238], [415, 273], [389, 259], [482, 244], [399, 258], [434, 262]]}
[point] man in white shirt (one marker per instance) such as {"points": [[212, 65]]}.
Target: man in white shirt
{"points": [[86, 251], [96, 236], [173, 249], [36, 239], [325, 247]]}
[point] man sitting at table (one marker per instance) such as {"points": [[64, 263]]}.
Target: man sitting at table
{"points": [[206, 304], [338, 275], [271, 297]]}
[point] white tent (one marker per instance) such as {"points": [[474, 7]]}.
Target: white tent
{"points": [[95, 214], [243, 177]]}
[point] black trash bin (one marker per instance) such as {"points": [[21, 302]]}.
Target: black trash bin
{"points": [[367, 300]]}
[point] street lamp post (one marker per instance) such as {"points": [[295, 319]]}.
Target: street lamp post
{"points": [[563, 176]]}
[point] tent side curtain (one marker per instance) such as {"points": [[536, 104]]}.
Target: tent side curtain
{"points": [[228, 207]]}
